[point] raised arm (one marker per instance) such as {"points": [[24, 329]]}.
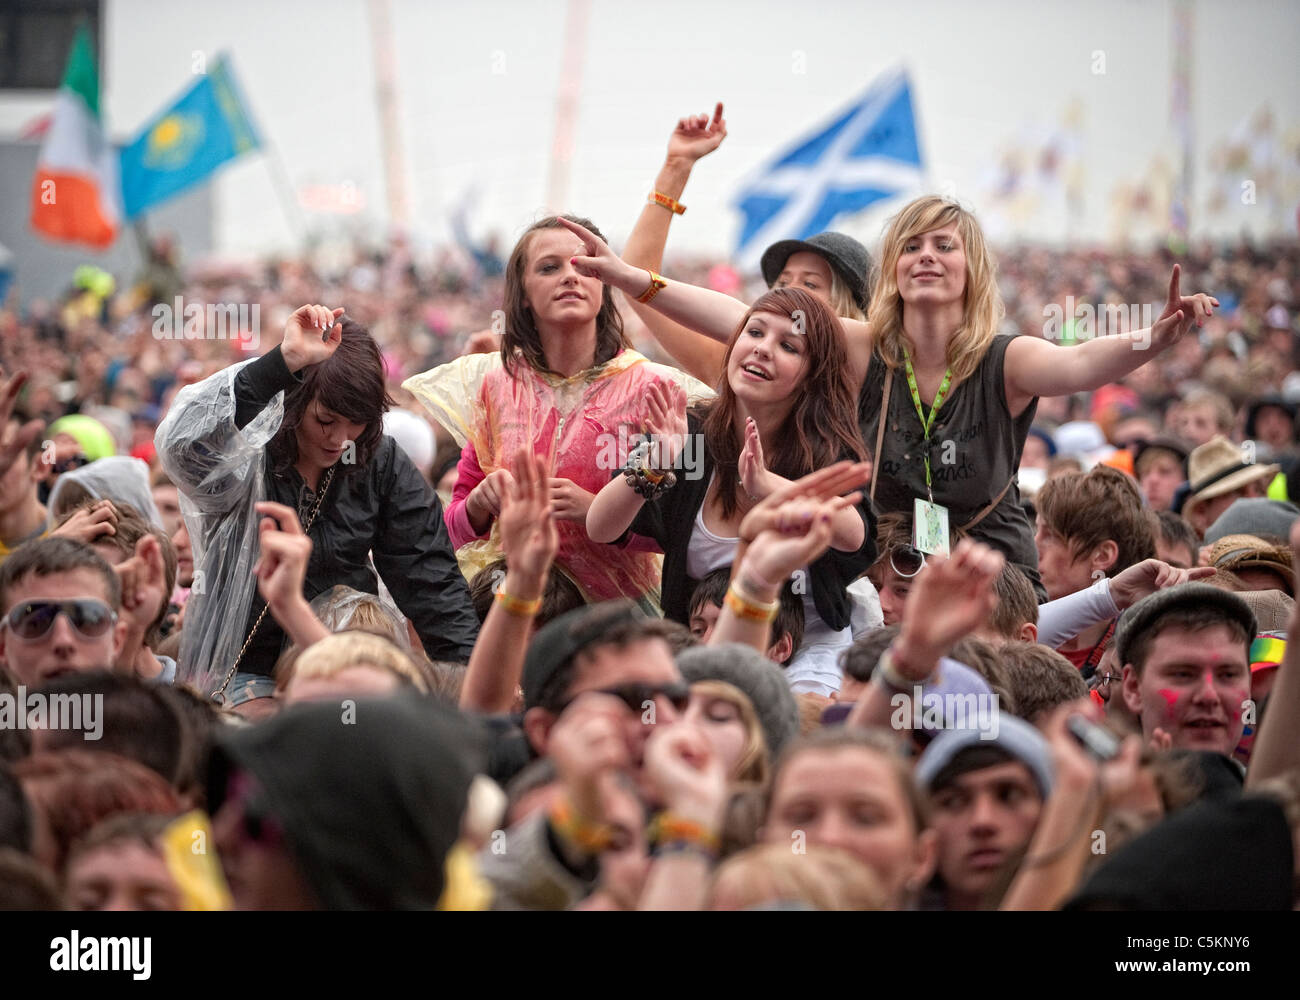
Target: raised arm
{"points": [[530, 541], [1035, 367], [693, 138], [1276, 750]]}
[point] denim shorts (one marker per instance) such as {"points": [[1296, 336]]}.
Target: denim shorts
{"points": [[245, 687]]}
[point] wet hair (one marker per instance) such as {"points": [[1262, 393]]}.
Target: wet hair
{"points": [[49, 556], [145, 829], [822, 426], [338, 652], [350, 383], [341, 607], [560, 595], [789, 618], [522, 341]]}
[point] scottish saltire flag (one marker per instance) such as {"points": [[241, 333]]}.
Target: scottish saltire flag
{"points": [[208, 126], [870, 151]]}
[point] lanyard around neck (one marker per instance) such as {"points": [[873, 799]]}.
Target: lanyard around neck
{"points": [[926, 422]]}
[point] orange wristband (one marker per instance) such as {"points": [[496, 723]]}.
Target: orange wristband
{"points": [[591, 837], [742, 607], [518, 606], [672, 204], [669, 829]]}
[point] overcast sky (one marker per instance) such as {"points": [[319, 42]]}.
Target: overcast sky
{"points": [[477, 85]]}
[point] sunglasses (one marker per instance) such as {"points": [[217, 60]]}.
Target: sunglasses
{"points": [[68, 464], [906, 560], [637, 696], [33, 620]]}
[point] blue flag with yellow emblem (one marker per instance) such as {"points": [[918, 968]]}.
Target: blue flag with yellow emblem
{"points": [[208, 126]]}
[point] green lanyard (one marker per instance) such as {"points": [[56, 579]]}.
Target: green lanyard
{"points": [[920, 413]]}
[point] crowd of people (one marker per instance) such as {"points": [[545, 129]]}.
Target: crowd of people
{"points": [[922, 578]]}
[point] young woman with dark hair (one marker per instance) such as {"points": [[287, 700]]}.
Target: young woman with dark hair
{"points": [[785, 394], [302, 426], [565, 386]]}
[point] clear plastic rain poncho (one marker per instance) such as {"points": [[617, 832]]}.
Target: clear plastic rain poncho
{"points": [[220, 472], [119, 478], [588, 422]]}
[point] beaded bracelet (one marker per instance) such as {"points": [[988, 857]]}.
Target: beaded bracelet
{"points": [[648, 483]]}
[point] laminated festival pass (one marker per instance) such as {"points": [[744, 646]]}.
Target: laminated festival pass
{"points": [[930, 527]]}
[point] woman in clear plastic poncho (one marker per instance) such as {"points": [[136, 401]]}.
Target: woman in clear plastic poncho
{"points": [[565, 383], [302, 426]]}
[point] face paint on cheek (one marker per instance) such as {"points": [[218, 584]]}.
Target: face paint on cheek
{"points": [[1171, 701]]}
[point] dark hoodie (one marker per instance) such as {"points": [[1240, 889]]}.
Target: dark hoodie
{"points": [[1225, 854], [370, 798]]}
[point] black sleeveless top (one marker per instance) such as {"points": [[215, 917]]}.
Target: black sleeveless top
{"points": [[975, 447]]}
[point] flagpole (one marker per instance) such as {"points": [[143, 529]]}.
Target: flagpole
{"points": [[284, 192], [566, 103]]}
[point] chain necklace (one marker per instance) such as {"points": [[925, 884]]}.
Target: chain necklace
{"points": [[219, 696]]}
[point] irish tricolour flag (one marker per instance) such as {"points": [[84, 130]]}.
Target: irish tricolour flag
{"points": [[76, 196]]}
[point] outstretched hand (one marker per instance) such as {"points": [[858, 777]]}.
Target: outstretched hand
{"points": [[665, 420], [950, 598], [1148, 576], [697, 136], [526, 523], [1179, 313], [820, 485], [281, 569], [13, 443]]}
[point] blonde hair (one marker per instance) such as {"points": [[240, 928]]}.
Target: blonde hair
{"points": [[982, 305], [841, 299], [753, 765], [824, 878], [335, 653]]}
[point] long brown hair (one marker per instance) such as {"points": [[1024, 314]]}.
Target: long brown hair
{"points": [[521, 339], [822, 427]]}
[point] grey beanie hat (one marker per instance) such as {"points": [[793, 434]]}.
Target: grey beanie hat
{"points": [[1256, 516], [1015, 736], [1185, 595], [759, 679]]}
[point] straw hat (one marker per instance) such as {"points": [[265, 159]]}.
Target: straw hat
{"points": [[1216, 468]]}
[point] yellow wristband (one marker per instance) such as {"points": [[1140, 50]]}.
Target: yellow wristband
{"points": [[742, 607], [656, 285], [672, 204], [519, 606]]}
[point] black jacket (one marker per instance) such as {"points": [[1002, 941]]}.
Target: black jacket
{"points": [[384, 507], [671, 519]]}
